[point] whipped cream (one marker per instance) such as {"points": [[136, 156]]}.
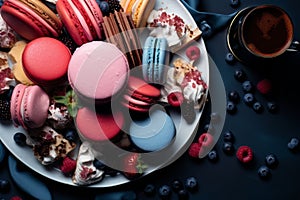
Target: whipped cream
{"points": [[58, 116], [7, 35], [169, 26], [86, 173]]}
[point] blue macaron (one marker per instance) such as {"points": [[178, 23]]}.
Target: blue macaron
{"points": [[153, 133], [156, 58]]}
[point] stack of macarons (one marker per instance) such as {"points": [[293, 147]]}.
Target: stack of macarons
{"points": [[156, 59], [31, 19], [82, 19], [29, 106], [140, 95]]}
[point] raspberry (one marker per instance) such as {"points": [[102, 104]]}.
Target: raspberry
{"points": [[4, 110], [194, 150], [15, 198], [244, 154], [264, 86], [206, 140], [175, 99], [68, 166]]}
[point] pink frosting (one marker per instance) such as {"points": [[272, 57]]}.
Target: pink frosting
{"points": [[98, 70]]}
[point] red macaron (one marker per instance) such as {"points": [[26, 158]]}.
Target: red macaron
{"points": [[82, 18], [140, 95]]}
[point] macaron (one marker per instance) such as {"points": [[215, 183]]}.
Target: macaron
{"points": [[156, 58], [98, 127], [31, 19], [98, 71], [141, 9], [140, 95], [82, 19], [153, 133], [29, 106], [45, 61]]}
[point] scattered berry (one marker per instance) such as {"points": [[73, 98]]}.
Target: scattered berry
{"points": [[212, 155], [272, 107], [194, 150], [228, 136], [5, 110], [271, 161], [175, 99], [68, 41], [249, 99], [191, 184], [229, 58], [258, 107], [206, 140], [4, 186], [20, 138], [193, 52], [244, 154], [183, 194], [240, 75], [247, 86], [149, 190], [164, 191], [104, 7], [15, 198], [264, 86], [234, 96], [293, 144], [231, 107], [228, 148], [264, 172], [206, 29], [68, 166], [234, 3], [177, 185], [114, 5], [71, 135]]}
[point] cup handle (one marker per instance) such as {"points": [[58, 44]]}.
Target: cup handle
{"points": [[295, 46]]}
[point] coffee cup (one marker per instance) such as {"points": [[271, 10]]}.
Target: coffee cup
{"points": [[262, 32]]}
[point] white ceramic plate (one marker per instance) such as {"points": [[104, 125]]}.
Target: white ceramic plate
{"points": [[185, 133]]}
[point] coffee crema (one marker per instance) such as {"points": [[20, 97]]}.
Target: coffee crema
{"points": [[267, 31]]}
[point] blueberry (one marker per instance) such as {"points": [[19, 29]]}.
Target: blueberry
{"points": [[234, 3], [249, 99], [191, 184], [164, 191], [234, 96], [228, 136], [228, 148], [99, 165], [20, 138], [177, 185], [71, 135], [229, 58], [183, 194], [4, 186], [272, 107], [247, 86], [149, 190], [206, 29], [231, 107], [104, 7], [212, 155], [240, 75], [293, 144], [271, 160], [264, 172], [258, 107]]}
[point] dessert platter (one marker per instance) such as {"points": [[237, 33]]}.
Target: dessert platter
{"points": [[157, 69]]}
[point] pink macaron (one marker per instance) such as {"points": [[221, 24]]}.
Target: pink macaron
{"points": [[98, 71], [29, 106], [45, 61], [82, 19], [97, 127]]}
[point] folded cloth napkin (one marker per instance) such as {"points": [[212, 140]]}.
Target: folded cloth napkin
{"points": [[209, 23]]}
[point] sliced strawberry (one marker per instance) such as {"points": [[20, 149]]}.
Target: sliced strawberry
{"points": [[134, 167]]}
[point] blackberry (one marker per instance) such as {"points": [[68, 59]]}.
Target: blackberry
{"points": [[5, 110], [114, 5], [68, 41]]}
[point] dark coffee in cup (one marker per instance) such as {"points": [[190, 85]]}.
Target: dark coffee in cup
{"points": [[266, 31]]}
